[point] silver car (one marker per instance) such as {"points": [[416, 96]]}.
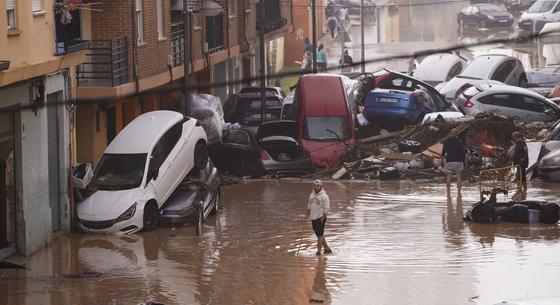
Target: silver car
{"points": [[518, 103], [494, 67]]}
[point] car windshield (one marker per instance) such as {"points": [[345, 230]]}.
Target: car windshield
{"points": [[481, 67], [327, 128], [542, 6], [489, 8], [120, 171]]}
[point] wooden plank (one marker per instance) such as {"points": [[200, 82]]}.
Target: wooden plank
{"points": [[434, 151], [340, 173], [398, 157], [381, 137]]}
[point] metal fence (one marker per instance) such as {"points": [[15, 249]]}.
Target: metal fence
{"points": [[106, 64]]}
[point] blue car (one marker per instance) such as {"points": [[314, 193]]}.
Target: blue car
{"points": [[392, 109]]}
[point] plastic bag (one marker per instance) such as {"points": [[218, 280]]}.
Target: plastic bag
{"points": [[208, 110]]}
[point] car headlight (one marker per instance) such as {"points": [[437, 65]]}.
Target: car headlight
{"points": [[491, 17], [128, 213]]}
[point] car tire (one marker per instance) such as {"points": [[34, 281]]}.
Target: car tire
{"points": [[412, 146], [522, 81], [150, 217], [199, 220], [200, 156], [216, 204], [482, 24]]}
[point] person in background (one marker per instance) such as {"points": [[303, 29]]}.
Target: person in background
{"points": [[307, 46], [332, 25], [346, 62], [520, 157], [321, 59], [317, 209], [454, 156], [306, 63], [342, 18]]}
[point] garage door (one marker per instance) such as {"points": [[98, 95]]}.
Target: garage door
{"points": [[54, 179], [7, 186]]}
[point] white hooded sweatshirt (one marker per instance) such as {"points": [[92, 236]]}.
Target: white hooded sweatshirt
{"points": [[318, 204]]}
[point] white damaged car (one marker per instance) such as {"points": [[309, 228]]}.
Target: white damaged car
{"points": [[140, 169]]}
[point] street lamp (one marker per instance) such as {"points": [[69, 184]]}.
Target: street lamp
{"points": [[208, 9]]}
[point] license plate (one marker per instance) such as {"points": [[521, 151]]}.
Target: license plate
{"points": [[503, 21], [388, 100]]}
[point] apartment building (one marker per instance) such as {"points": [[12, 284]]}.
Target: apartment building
{"points": [[37, 59], [134, 63]]}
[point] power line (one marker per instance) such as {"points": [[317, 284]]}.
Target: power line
{"points": [[173, 88]]}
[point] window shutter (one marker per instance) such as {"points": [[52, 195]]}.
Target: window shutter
{"points": [[36, 5], [10, 4]]}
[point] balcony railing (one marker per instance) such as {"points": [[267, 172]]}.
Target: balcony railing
{"points": [[215, 33], [106, 64], [273, 19], [177, 43]]}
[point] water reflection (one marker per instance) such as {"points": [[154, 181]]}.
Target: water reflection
{"points": [[453, 224]]}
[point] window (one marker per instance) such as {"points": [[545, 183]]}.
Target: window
{"points": [[502, 100], [503, 71], [533, 104], [36, 5], [215, 32], [165, 145], [119, 171], [159, 8], [11, 13], [139, 22], [330, 128], [454, 71]]}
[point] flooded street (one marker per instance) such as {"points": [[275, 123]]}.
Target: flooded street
{"points": [[392, 245]]}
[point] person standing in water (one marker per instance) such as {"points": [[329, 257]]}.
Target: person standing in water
{"points": [[317, 210]]}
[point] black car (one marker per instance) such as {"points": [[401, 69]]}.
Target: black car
{"points": [[484, 16], [197, 197], [245, 109], [273, 150]]}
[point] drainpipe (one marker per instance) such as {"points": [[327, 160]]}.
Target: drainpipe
{"points": [[134, 51]]}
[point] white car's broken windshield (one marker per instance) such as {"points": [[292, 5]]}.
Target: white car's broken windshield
{"points": [[120, 171]]}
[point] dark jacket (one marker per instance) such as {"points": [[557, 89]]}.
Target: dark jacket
{"points": [[453, 150], [521, 154]]}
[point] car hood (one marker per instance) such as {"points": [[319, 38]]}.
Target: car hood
{"points": [[551, 159], [531, 16], [107, 205]]}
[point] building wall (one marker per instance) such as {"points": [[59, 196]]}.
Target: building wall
{"points": [[303, 29], [33, 212], [20, 47]]}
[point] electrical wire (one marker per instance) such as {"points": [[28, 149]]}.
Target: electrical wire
{"points": [[206, 85]]}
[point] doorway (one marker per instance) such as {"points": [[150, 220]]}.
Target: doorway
{"points": [[53, 100]]}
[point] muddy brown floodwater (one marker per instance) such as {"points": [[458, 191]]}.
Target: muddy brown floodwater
{"points": [[394, 243]]}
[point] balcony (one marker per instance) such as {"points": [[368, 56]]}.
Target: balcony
{"points": [[69, 32], [106, 64], [215, 33], [273, 19]]}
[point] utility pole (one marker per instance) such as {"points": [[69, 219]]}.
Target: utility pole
{"points": [[186, 56], [378, 21], [314, 29], [362, 36], [263, 60]]}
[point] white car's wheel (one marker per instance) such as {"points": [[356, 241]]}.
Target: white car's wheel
{"points": [[150, 217], [200, 156]]}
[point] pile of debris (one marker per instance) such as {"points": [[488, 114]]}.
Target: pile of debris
{"points": [[415, 153]]}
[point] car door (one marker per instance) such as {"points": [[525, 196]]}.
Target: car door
{"points": [[503, 71], [536, 110], [501, 103], [160, 172]]}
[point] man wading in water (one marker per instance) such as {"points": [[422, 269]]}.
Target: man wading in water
{"points": [[454, 154], [317, 210]]}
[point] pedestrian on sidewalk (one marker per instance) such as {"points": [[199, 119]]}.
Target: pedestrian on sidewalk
{"points": [[306, 63], [332, 24], [454, 155], [317, 210], [342, 18], [520, 157], [321, 59], [346, 62], [307, 46]]}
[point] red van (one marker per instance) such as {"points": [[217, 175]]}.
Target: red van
{"points": [[325, 116]]}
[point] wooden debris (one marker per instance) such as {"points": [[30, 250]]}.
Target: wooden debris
{"points": [[381, 137], [340, 173]]}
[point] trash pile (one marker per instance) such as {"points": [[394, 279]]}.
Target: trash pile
{"points": [[415, 153]]}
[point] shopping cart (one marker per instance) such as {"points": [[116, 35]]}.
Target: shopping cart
{"points": [[501, 180]]}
